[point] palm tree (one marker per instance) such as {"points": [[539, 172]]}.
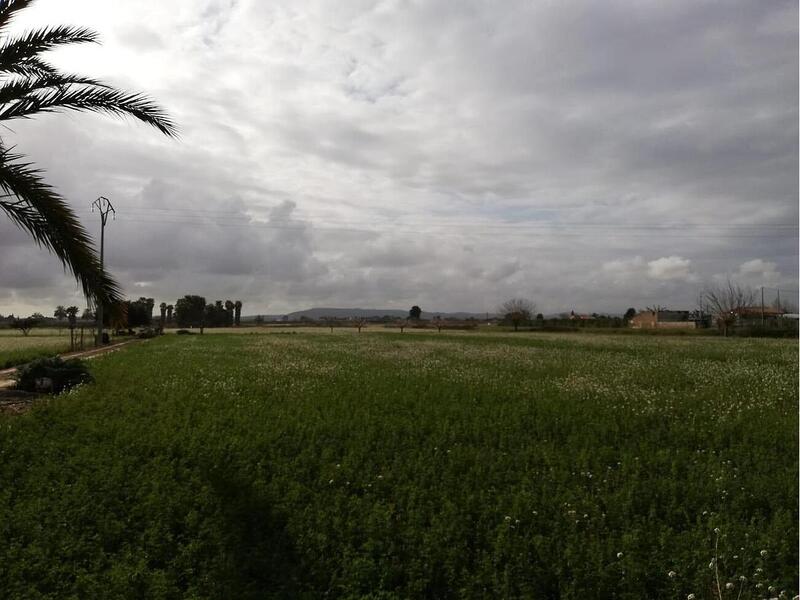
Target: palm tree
{"points": [[229, 306], [28, 86], [237, 312], [60, 313]]}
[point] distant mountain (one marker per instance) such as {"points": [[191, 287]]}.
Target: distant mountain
{"points": [[316, 314]]}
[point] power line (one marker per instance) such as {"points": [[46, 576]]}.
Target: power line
{"points": [[204, 214], [434, 228]]}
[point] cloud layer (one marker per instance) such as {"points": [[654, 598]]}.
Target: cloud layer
{"points": [[382, 153]]}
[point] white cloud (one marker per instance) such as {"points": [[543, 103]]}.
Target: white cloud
{"points": [[671, 268]]}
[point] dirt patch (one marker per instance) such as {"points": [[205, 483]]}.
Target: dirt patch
{"points": [[15, 402]]}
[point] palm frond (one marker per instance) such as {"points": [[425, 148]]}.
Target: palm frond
{"points": [[8, 8], [18, 88], [32, 43], [35, 207], [91, 97], [32, 67]]}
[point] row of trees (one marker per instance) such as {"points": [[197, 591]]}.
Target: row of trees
{"points": [[193, 311]]}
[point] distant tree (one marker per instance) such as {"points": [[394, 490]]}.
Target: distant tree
{"points": [[138, 313], [72, 319], [539, 317], [629, 314], [163, 308], [229, 308], [149, 304], [415, 313], [25, 325], [517, 311], [237, 312], [190, 311], [87, 315], [726, 302], [170, 308], [259, 320], [60, 313], [360, 322]]}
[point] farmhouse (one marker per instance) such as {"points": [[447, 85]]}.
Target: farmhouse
{"points": [[573, 316], [667, 319], [756, 312]]}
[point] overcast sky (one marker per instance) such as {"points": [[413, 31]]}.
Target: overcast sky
{"points": [[588, 155]]}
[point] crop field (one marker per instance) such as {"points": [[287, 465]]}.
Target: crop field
{"points": [[388, 465], [16, 348]]}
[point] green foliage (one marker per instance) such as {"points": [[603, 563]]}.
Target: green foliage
{"points": [[62, 374], [408, 466], [190, 311], [139, 313]]}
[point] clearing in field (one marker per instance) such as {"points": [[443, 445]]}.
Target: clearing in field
{"points": [[399, 466]]}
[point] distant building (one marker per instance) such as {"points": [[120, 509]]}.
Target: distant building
{"points": [[573, 316], [756, 312], [668, 319]]}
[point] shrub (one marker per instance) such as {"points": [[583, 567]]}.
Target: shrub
{"points": [[184, 332], [52, 374]]}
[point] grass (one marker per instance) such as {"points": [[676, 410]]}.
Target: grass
{"points": [[16, 349], [399, 466]]}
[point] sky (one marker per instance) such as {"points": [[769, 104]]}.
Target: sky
{"points": [[589, 156]]}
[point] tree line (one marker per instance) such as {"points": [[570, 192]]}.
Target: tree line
{"points": [[193, 311]]}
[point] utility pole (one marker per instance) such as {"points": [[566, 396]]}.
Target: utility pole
{"points": [[762, 305], [104, 207]]}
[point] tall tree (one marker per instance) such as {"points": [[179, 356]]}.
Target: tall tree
{"points": [[229, 307], [237, 314], [170, 308], [163, 307], [60, 313], [727, 302], [190, 311], [415, 312], [517, 311], [30, 86]]}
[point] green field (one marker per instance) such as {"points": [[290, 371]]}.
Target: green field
{"points": [[387, 465], [16, 348]]}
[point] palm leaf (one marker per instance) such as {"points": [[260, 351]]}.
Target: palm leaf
{"points": [[32, 43], [35, 207], [91, 97], [20, 88], [8, 8]]}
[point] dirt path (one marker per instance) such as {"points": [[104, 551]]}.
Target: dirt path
{"points": [[6, 375]]}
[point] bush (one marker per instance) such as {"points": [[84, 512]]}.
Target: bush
{"points": [[147, 333], [184, 332], [52, 374]]}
